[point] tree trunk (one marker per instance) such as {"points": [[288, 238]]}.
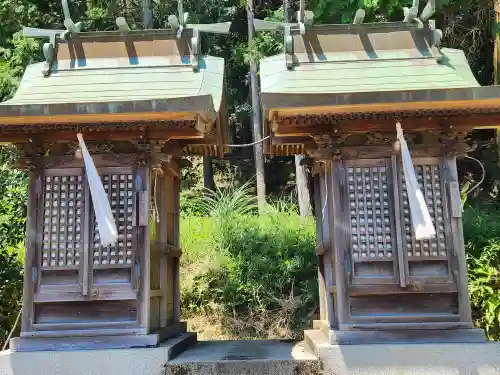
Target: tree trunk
{"points": [[257, 129], [208, 173], [301, 179], [147, 14]]}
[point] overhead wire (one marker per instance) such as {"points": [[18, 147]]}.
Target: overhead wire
{"points": [[482, 177]]}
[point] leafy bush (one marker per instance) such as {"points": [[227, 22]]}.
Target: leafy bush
{"points": [[12, 222], [258, 273], [482, 235]]}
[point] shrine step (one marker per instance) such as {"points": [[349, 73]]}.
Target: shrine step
{"points": [[245, 358]]}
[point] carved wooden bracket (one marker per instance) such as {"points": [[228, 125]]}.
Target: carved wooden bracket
{"points": [[377, 138], [328, 145], [105, 147], [455, 142]]}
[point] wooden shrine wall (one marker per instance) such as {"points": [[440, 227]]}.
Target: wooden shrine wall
{"points": [[165, 251], [370, 261]]}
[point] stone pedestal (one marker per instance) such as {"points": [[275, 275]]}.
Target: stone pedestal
{"points": [[405, 359]]}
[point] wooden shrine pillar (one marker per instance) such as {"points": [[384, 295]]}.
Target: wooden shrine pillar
{"points": [[81, 295]]}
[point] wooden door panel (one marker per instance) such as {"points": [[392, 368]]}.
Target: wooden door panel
{"points": [[427, 260], [60, 249], [372, 241], [113, 266], [63, 211], [73, 268], [119, 185]]}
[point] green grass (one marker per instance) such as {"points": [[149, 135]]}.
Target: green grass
{"points": [[255, 273]]}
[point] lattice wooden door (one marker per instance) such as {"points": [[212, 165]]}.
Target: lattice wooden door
{"points": [[427, 261], [391, 277], [117, 263], [372, 239], [78, 283]]}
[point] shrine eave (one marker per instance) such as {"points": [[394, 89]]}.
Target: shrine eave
{"points": [[197, 110], [91, 112], [294, 108]]}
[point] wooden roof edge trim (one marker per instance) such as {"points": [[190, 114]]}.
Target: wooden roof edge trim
{"points": [[383, 101], [151, 109], [363, 27]]}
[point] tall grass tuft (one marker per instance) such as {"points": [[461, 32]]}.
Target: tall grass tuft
{"points": [[257, 274]]}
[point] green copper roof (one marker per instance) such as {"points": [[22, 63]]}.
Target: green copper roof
{"points": [[114, 80], [365, 58], [367, 75]]}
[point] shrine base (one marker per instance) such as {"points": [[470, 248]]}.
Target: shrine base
{"points": [[405, 359]]}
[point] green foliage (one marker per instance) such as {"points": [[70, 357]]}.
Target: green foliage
{"points": [[12, 222], [484, 288], [482, 235], [261, 269], [13, 62]]}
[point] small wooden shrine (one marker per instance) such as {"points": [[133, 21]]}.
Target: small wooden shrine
{"points": [[142, 99], [336, 95]]}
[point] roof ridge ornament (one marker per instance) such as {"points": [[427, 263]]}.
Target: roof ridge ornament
{"points": [[359, 17], [303, 17], [411, 14], [178, 23], [71, 27], [49, 48], [122, 24]]}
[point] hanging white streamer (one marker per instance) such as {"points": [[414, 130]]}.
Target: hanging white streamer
{"points": [[103, 214], [420, 217]]}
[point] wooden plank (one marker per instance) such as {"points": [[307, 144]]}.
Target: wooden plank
{"points": [[163, 236], [389, 289], [121, 332], [107, 132], [143, 208], [337, 217], [174, 252], [135, 229], [400, 335], [102, 293], [424, 258], [143, 246], [402, 318], [86, 280], [455, 199], [94, 118], [176, 289], [329, 255], [400, 250], [416, 304], [77, 326], [322, 283], [459, 250], [97, 311], [70, 342], [406, 326], [155, 293], [30, 266]]}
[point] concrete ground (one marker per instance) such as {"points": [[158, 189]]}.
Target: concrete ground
{"points": [[263, 358], [215, 351], [245, 358], [215, 357], [406, 359]]}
